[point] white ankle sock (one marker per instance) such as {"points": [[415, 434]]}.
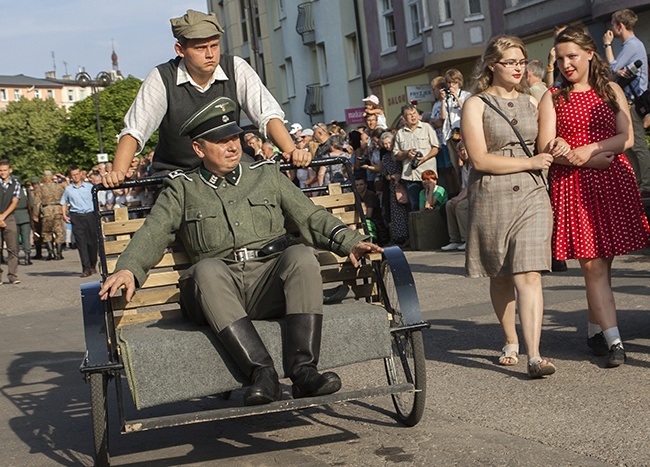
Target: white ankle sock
{"points": [[593, 329], [612, 336]]}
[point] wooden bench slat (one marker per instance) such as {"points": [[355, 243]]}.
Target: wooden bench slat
{"points": [[176, 258], [147, 298], [161, 279], [335, 201], [122, 227], [121, 321]]}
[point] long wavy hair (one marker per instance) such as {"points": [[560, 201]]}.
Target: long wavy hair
{"points": [[599, 76], [483, 75]]}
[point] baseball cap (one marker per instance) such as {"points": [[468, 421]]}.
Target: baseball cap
{"points": [[371, 98], [307, 132], [295, 128]]}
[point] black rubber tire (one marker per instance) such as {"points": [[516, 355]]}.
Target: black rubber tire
{"points": [[408, 366], [99, 410]]}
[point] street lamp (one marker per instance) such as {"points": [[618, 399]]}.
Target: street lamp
{"points": [[103, 79]]}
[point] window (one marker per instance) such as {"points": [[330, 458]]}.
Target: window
{"points": [[3, 95], [444, 9], [70, 95], [387, 25], [291, 84], [281, 11], [426, 18], [37, 94], [474, 7], [242, 15], [413, 27], [353, 63], [321, 56], [17, 94], [50, 94]]}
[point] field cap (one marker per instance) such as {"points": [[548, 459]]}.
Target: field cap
{"points": [[307, 132], [196, 25], [371, 98], [213, 122]]}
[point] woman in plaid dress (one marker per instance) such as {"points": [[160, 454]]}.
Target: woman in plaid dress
{"points": [[510, 220]]}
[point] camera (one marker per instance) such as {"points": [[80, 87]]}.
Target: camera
{"points": [[633, 69], [447, 90], [416, 160]]}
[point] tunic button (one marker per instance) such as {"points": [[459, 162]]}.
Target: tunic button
{"points": [[510, 104], [231, 201], [514, 121], [199, 215], [515, 188], [266, 201], [236, 224], [224, 185]]}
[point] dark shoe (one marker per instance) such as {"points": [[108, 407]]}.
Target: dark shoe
{"points": [[616, 356], [28, 261], [247, 349], [58, 252], [50, 251], [38, 255], [558, 266], [93, 271], [598, 345], [302, 344], [86, 273]]}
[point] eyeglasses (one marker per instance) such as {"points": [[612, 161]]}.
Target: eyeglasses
{"points": [[514, 63]]}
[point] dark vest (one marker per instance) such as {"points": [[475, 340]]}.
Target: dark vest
{"points": [[6, 195], [174, 151]]}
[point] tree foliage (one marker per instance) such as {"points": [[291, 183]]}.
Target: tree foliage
{"points": [[36, 135], [29, 134], [79, 140]]}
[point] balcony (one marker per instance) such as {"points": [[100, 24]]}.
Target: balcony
{"points": [[314, 99], [305, 23]]}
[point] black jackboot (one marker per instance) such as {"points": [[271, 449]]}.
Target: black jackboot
{"points": [[302, 350], [28, 260], [59, 251], [247, 349], [38, 246], [50, 251]]}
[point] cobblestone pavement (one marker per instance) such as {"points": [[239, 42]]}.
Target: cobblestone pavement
{"points": [[478, 413]]}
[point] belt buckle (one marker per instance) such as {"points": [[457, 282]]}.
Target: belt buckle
{"points": [[240, 254]]}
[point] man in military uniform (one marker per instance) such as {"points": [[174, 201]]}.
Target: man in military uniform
{"points": [[230, 216], [9, 198], [47, 204], [22, 214], [35, 190]]}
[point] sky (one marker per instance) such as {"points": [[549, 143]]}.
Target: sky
{"points": [[81, 33]]}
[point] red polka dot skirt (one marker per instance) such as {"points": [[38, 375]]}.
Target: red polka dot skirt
{"points": [[597, 213]]}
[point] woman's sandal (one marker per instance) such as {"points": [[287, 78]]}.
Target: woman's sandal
{"points": [[509, 355], [538, 368]]}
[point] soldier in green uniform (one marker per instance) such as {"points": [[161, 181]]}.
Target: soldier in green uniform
{"points": [[47, 204], [35, 189], [22, 214], [230, 216]]}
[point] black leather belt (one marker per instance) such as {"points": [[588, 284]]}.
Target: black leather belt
{"points": [[275, 246]]}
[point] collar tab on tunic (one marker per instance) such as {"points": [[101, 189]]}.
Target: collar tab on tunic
{"points": [[215, 181]]}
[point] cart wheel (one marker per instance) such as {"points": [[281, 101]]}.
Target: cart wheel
{"points": [[407, 362], [99, 409]]}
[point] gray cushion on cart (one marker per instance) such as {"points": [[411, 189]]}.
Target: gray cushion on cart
{"points": [[173, 360]]}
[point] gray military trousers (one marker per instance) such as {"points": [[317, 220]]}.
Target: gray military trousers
{"points": [[219, 292]]}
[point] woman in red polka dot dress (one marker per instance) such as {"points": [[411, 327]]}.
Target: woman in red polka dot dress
{"points": [[585, 123]]}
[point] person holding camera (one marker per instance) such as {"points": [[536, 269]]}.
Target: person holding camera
{"points": [[624, 68], [453, 98], [416, 146]]}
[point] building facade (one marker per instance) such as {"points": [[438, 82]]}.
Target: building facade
{"points": [[14, 88], [307, 52]]}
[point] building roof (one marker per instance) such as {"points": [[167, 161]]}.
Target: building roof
{"points": [[22, 80]]}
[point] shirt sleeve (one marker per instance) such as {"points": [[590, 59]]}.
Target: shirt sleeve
{"points": [[64, 198], [16, 194], [254, 98], [147, 111]]}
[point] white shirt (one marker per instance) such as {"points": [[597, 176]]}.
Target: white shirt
{"points": [[150, 104], [453, 113]]}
